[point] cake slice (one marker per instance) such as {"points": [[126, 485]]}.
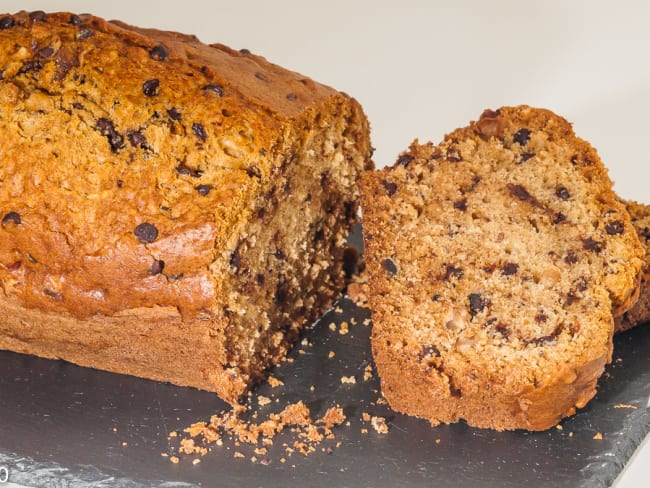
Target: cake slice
{"points": [[169, 209], [495, 262], [640, 312]]}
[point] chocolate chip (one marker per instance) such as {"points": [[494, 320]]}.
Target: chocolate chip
{"points": [[404, 160], [559, 218], [235, 257], [477, 303], [6, 22], [14, 266], [11, 217], [503, 330], [158, 53], [580, 284], [389, 266], [614, 227], [521, 136], [150, 87], [562, 193], [157, 267], [199, 131], [282, 292], [106, 128], [84, 33], [46, 52], [518, 191], [214, 89], [174, 114], [33, 65], [429, 351], [75, 19], [292, 97], [181, 169], [526, 156], [571, 258], [78, 106], [260, 76], [390, 187], [53, 294], [436, 297], [279, 254], [319, 235], [350, 261], [461, 204], [37, 16], [146, 232], [510, 269], [120, 183], [244, 51], [136, 139], [453, 155], [590, 244], [203, 189], [571, 299], [254, 171], [452, 272], [541, 317]]}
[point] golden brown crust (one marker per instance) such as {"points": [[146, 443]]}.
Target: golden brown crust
{"points": [[148, 178], [640, 312], [494, 261]]}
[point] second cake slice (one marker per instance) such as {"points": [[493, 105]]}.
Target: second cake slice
{"points": [[496, 261]]}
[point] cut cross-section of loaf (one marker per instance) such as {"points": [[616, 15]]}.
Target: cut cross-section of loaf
{"points": [[640, 312], [170, 209], [495, 260]]}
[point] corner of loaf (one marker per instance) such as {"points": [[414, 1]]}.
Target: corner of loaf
{"points": [[170, 209], [497, 261]]}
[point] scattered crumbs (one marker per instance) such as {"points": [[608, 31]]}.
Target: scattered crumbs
{"points": [[344, 329], [312, 388], [301, 351], [438, 440], [366, 322], [173, 433], [238, 455], [558, 427], [607, 375], [263, 400], [598, 436], [625, 405], [164, 454], [367, 372], [290, 360], [283, 460], [570, 434], [338, 309], [366, 417], [196, 428], [261, 451], [353, 321], [332, 326], [253, 459], [349, 380], [174, 459], [274, 382], [619, 360], [364, 431], [196, 461], [124, 444], [381, 401], [331, 355], [267, 441], [304, 342], [114, 429], [379, 424], [265, 462]]}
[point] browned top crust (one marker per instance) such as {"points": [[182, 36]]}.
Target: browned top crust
{"points": [[128, 155]]}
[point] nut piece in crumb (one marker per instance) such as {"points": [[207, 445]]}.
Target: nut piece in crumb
{"points": [[262, 400], [598, 436], [379, 424], [274, 382], [349, 380]]}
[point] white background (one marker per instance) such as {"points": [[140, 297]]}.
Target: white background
{"points": [[421, 69]]}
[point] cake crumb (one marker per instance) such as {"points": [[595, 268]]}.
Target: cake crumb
{"points": [[438, 440], [558, 427], [344, 328], [164, 454], [598, 436], [174, 460], [275, 382], [332, 326], [338, 309], [367, 372], [196, 461], [570, 434], [124, 443], [350, 380], [364, 430], [173, 434], [195, 429], [625, 405], [238, 455], [312, 388], [263, 400], [331, 355], [283, 460], [379, 424], [366, 417]]}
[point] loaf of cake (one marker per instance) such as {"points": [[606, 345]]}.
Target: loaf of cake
{"points": [[496, 261], [169, 209], [640, 312]]}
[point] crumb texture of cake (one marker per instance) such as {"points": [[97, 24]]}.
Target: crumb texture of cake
{"points": [[496, 260], [169, 209], [640, 312]]}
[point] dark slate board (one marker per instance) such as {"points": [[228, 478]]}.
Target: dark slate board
{"points": [[62, 425]]}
